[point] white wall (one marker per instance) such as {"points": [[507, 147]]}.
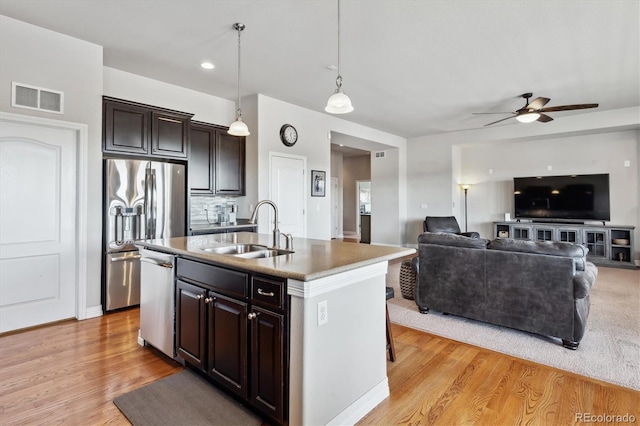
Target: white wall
{"points": [[429, 179], [597, 142], [386, 199], [43, 58], [337, 161], [492, 194], [133, 87], [314, 129]]}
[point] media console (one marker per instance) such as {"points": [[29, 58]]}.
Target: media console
{"points": [[608, 245]]}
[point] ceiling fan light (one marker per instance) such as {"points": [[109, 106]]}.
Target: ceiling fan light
{"points": [[238, 128], [339, 103], [528, 117]]}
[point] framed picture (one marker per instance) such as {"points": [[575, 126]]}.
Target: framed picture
{"points": [[318, 183]]}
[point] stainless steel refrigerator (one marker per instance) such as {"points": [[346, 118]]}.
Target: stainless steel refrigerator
{"points": [[143, 200]]}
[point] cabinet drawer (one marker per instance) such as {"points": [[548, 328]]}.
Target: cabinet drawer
{"points": [[267, 292], [225, 281]]}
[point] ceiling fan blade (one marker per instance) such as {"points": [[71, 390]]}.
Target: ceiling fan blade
{"points": [[538, 103], [480, 113], [544, 118], [568, 107], [499, 121]]}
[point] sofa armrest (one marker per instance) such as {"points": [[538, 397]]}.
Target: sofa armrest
{"points": [[415, 264], [583, 281], [470, 234]]}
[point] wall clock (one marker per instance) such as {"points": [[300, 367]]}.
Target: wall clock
{"points": [[288, 135]]}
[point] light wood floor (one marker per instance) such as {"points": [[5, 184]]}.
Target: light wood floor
{"points": [[69, 374]]}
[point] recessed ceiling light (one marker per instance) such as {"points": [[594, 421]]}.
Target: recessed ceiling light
{"points": [[207, 65]]}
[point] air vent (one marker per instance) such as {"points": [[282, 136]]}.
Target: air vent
{"points": [[31, 97], [379, 154]]}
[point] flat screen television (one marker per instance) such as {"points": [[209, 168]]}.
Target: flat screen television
{"points": [[564, 198]]}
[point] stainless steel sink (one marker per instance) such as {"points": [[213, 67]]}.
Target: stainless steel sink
{"points": [[263, 253], [247, 251], [236, 249]]}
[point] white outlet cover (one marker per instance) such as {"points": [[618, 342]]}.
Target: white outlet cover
{"points": [[323, 314]]}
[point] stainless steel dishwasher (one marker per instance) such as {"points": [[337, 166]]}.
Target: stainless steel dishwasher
{"points": [[157, 296]]}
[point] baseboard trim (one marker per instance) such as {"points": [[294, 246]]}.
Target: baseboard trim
{"points": [[141, 341], [363, 405], [93, 312]]}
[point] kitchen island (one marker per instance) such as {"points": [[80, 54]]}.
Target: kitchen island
{"points": [[331, 315]]}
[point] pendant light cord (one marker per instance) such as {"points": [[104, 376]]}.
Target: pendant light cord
{"points": [[239, 27], [339, 78]]}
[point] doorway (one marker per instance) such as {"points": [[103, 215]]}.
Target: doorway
{"points": [[288, 191], [363, 203], [42, 256]]}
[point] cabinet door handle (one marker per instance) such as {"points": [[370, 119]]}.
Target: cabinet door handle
{"points": [[200, 296], [208, 300], [264, 293], [252, 315]]}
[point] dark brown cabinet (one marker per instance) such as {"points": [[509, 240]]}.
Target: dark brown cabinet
{"points": [[190, 329], [229, 164], [267, 362], [126, 128], [201, 159], [233, 326], [144, 130], [227, 337], [217, 161]]}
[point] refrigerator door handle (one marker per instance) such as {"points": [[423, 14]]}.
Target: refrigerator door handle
{"points": [[148, 203], [154, 198]]}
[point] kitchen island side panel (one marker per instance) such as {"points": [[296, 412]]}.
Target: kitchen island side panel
{"points": [[338, 369]]}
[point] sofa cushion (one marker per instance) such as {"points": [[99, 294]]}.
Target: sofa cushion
{"points": [[552, 248], [454, 240]]}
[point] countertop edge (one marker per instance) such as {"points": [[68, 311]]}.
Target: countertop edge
{"points": [[252, 266]]}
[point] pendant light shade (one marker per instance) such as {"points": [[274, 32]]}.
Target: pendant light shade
{"points": [[339, 102], [238, 127]]}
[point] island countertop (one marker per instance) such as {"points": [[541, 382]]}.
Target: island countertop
{"points": [[312, 259]]}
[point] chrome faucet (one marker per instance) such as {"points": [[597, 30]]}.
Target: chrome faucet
{"points": [[276, 231]]}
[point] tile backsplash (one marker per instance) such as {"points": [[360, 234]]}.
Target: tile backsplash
{"points": [[199, 203]]}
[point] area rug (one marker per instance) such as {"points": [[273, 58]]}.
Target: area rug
{"points": [[609, 351], [183, 398]]}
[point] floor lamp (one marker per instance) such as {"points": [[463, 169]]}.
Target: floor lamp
{"points": [[466, 187]]}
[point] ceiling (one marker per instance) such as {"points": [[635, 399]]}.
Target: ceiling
{"points": [[411, 67]]}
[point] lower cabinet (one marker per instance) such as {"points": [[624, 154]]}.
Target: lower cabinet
{"points": [[190, 323], [227, 342], [239, 342]]}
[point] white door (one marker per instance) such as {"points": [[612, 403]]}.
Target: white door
{"points": [[334, 208], [37, 225], [288, 192]]}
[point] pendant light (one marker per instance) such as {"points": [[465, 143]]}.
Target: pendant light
{"points": [[339, 102], [238, 127]]}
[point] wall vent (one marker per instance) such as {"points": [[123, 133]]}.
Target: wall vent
{"points": [[38, 98], [379, 154]]}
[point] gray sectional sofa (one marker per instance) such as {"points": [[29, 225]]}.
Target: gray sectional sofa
{"points": [[539, 287]]}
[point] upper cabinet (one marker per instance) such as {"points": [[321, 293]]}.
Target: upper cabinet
{"points": [[230, 163], [144, 130], [217, 161]]}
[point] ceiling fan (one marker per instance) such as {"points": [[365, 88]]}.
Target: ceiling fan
{"points": [[534, 111]]}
